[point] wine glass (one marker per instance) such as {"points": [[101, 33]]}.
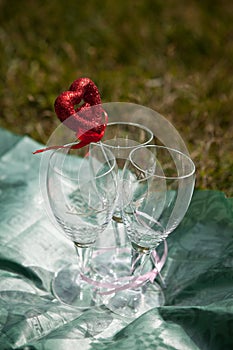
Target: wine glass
{"points": [[82, 191], [157, 187], [121, 138]]}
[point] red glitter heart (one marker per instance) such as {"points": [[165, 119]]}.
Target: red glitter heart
{"points": [[88, 123]]}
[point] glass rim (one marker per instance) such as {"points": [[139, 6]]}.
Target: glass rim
{"points": [[173, 150], [61, 173], [140, 126]]}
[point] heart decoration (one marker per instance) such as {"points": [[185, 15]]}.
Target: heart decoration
{"points": [[88, 123]]}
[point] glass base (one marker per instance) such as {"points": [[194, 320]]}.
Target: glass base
{"points": [[109, 281], [114, 268], [69, 288], [134, 302]]}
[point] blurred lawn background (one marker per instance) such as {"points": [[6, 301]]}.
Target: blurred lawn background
{"points": [[175, 57]]}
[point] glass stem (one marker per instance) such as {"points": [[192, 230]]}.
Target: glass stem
{"points": [[115, 226], [84, 255], [138, 261], [163, 283]]}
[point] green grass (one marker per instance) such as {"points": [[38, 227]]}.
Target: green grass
{"points": [[175, 57]]}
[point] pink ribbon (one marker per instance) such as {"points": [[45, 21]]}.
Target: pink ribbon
{"points": [[135, 281]]}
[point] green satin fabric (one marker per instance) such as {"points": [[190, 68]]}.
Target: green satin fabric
{"points": [[198, 313]]}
